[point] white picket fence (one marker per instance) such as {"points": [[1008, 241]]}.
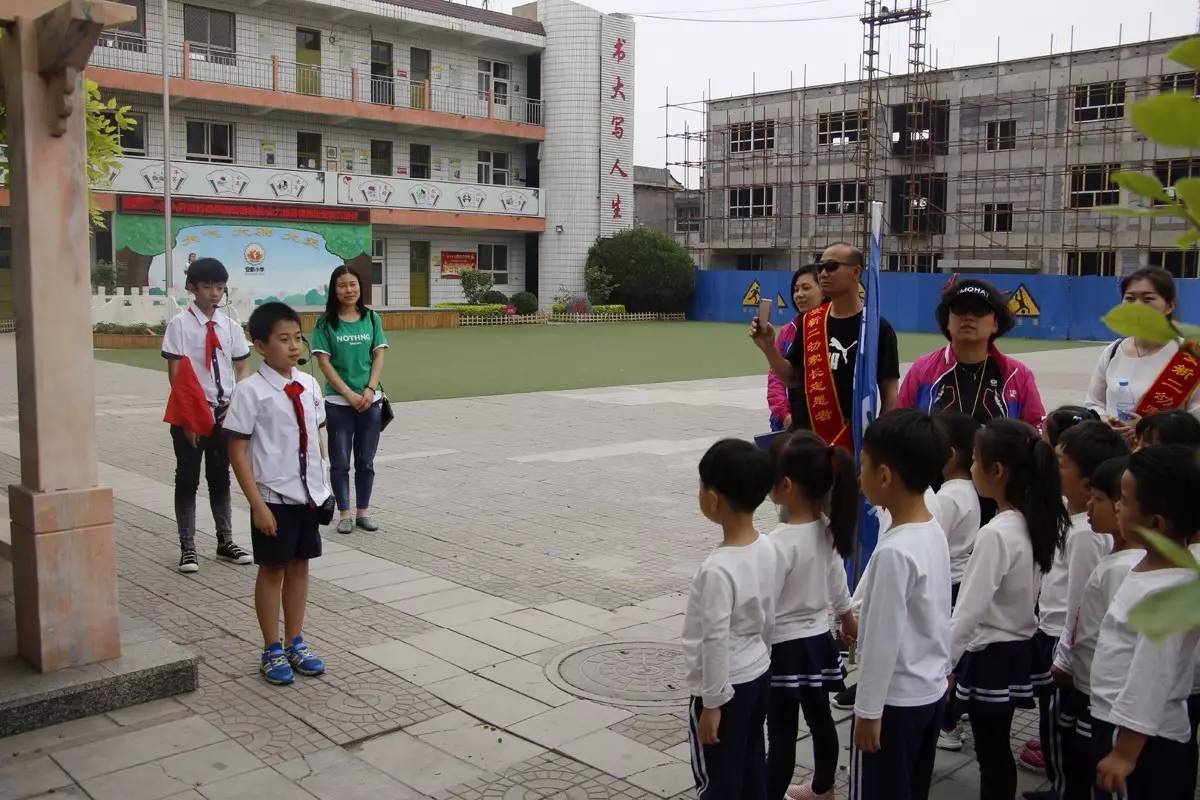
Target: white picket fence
{"points": [[139, 307]]}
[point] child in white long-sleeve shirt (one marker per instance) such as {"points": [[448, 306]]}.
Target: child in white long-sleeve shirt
{"points": [[727, 628], [905, 624]]}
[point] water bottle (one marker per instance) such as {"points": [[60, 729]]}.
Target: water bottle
{"points": [[1125, 401]]}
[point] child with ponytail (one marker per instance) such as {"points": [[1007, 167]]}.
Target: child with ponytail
{"points": [[994, 618], [806, 665]]}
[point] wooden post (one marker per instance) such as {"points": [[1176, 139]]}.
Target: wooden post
{"points": [[187, 59], [354, 84], [275, 73]]}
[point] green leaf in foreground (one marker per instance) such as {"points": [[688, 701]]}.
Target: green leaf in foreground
{"points": [[1141, 322], [1171, 210], [1187, 53], [1142, 184], [1171, 119], [1168, 612], [1169, 549]]}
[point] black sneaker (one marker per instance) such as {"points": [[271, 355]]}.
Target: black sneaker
{"points": [[845, 700], [187, 560], [231, 552]]}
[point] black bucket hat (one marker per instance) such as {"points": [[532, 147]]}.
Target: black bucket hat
{"points": [[980, 294]]}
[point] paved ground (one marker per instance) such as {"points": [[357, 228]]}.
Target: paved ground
{"points": [[517, 531]]}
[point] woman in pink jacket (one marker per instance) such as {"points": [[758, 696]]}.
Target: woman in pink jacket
{"points": [[806, 295]]}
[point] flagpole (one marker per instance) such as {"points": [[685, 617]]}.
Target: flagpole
{"points": [[168, 241]]}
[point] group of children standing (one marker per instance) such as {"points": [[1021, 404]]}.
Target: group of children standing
{"points": [[952, 618]]}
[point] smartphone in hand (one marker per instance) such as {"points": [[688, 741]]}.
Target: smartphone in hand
{"points": [[764, 311]]}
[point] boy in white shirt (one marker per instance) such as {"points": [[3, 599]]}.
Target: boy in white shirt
{"points": [[727, 628], [904, 632], [217, 348], [1140, 729], [276, 451]]}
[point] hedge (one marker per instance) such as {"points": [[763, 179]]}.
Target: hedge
{"points": [[467, 310]]}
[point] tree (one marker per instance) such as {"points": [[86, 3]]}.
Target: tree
{"points": [[105, 121], [649, 270]]}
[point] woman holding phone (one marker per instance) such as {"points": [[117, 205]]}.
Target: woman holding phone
{"points": [[806, 294]]}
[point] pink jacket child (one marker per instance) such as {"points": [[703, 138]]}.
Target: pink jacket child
{"points": [[777, 393], [1017, 397]]}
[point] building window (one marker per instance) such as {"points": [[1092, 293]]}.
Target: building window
{"points": [[1181, 82], [1170, 170], [745, 137], [1002, 135], [493, 168], [308, 150], [1092, 262], [378, 257], [5, 248], [133, 140], [997, 217], [381, 157], [841, 198], [1095, 101], [750, 262], [688, 219], [752, 202], [840, 127], [419, 157], [1180, 263], [1092, 185], [131, 35], [921, 128], [912, 262], [209, 141], [210, 34], [494, 76], [917, 204], [493, 259]]}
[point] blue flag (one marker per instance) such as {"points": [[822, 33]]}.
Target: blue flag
{"points": [[866, 389]]}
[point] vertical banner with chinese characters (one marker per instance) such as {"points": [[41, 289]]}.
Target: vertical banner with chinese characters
{"points": [[616, 123]]}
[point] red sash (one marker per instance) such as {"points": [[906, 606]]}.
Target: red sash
{"points": [[1173, 386], [820, 392]]}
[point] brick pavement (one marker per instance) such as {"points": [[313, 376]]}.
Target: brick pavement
{"points": [[514, 530]]}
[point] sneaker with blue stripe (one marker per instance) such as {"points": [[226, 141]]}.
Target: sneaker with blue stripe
{"points": [[275, 667], [304, 660]]}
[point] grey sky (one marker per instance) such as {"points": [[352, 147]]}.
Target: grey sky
{"points": [[683, 56]]}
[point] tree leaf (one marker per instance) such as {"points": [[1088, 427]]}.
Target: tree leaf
{"points": [[1172, 119], [1168, 612], [1142, 322], [1170, 210], [1191, 332], [1169, 549], [1141, 184], [1187, 53], [1188, 192]]}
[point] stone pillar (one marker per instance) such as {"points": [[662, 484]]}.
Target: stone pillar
{"points": [[63, 544]]}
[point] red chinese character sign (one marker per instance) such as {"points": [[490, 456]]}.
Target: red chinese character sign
{"points": [[616, 131]]}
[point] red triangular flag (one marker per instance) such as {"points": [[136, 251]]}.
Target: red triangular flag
{"points": [[187, 406]]}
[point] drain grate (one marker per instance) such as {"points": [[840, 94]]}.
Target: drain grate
{"points": [[623, 673]]}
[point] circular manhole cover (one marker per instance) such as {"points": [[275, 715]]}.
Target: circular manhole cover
{"points": [[624, 673]]}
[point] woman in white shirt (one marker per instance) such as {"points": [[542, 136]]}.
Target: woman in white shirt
{"points": [[1136, 361]]}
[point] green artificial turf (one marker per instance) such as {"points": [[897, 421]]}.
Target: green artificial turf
{"points": [[469, 362]]}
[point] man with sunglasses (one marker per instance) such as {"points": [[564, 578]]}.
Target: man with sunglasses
{"points": [[820, 365]]}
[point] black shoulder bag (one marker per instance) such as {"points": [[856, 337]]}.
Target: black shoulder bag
{"points": [[386, 415]]}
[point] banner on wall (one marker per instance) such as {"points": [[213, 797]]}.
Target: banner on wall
{"points": [[455, 261]]}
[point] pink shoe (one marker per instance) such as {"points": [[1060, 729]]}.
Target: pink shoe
{"points": [[804, 792], [1032, 760], [1034, 744]]}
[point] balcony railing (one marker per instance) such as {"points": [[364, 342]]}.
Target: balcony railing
{"points": [[133, 53]]}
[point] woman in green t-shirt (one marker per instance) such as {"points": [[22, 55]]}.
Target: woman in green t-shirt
{"points": [[348, 343]]}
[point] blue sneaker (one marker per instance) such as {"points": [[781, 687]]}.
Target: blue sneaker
{"points": [[304, 660], [275, 667]]}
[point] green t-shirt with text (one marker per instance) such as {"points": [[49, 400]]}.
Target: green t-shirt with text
{"points": [[349, 347]]}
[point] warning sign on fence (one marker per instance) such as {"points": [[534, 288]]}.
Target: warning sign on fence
{"points": [[1022, 304], [753, 294], [780, 302]]}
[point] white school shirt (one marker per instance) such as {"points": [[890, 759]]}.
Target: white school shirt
{"points": [[730, 613], [1136, 683], [811, 579], [958, 514], [1077, 647], [185, 336], [904, 633], [999, 591], [260, 409], [885, 523], [1085, 549], [1052, 601], [1140, 372]]}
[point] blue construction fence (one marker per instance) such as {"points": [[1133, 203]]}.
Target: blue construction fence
{"points": [[1046, 306]]}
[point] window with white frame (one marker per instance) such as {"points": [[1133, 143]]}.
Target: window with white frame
{"points": [[308, 150], [494, 76], [1092, 262], [749, 202], [210, 34], [1002, 135], [745, 137], [1092, 185], [493, 259], [1181, 82], [1170, 170], [129, 36], [841, 198], [378, 257], [133, 140], [915, 262], [840, 127], [1096, 101], [997, 217], [210, 141], [494, 168], [1180, 263], [687, 219]]}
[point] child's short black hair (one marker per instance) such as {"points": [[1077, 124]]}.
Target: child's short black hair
{"points": [[1090, 443], [1064, 418], [1107, 477], [960, 432], [911, 444], [265, 317], [1170, 427], [739, 472], [1168, 483], [206, 270]]}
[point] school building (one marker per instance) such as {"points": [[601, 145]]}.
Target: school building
{"points": [[407, 138]]}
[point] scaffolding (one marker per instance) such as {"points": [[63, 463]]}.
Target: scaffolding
{"points": [[1010, 186]]}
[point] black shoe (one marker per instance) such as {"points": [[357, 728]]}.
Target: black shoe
{"points": [[845, 700], [231, 552], [1044, 794], [187, 560]]}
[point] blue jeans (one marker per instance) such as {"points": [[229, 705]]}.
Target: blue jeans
{"points": [[349, 431]]}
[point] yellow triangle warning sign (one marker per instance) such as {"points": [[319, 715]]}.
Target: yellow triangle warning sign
{"points": [[862, 292], [753, 294], [780, 302], [1022, 304]]}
